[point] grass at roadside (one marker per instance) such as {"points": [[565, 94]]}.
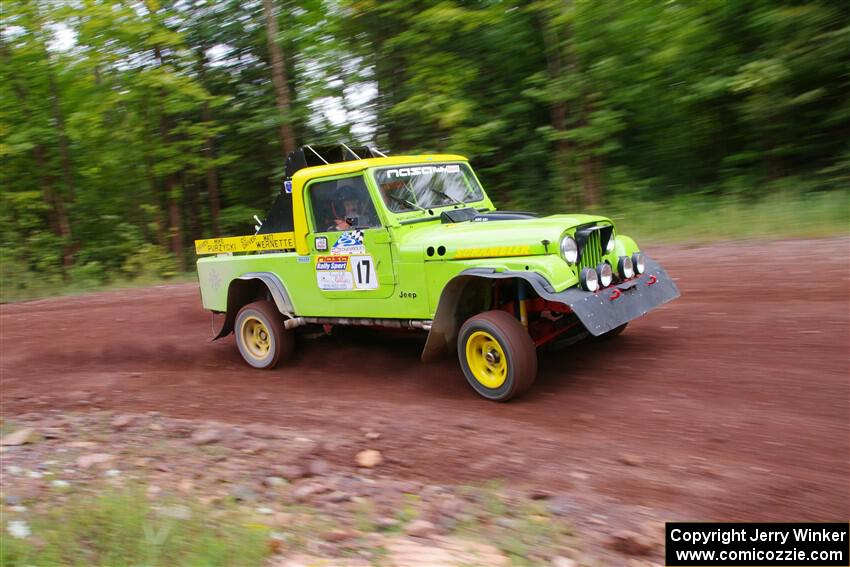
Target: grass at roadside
{"points": [[124, 528], [705, 220], [50, 289]]}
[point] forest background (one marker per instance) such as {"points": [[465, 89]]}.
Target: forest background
{"points": [[129, 128]]}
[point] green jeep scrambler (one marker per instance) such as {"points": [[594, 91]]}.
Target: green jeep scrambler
{"points": [[413, 242]]}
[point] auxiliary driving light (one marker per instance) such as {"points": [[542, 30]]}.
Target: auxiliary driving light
{"points": [[606, 274], [625, 267], [639, 262], [569, 249], [589, 279]]}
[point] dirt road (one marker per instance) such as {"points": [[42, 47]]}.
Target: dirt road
{"points": [[731, 403]]}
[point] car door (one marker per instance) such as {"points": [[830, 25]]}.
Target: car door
{"points": [[349, 245]]}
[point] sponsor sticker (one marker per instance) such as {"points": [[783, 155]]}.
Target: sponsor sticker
{"points": [[493, 252], [425, 170], [332, 263], [346, 273], [349, 242], [334, 281], [215, 279], [253, 243]]}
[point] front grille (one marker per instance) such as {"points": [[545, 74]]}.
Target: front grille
{"points": [[591, 252]]}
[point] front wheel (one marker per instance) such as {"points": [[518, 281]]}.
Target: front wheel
{"points": [[613, 333], [260, 335], [497, 355]]}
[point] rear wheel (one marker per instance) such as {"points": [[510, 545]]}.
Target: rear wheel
{"points": [[497, 355], [260, 336]]}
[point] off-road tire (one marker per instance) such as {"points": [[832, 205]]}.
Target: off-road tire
{"points": [[613, 333], [261, 337], [520, 354]]}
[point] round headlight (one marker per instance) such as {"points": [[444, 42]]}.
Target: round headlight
{"points": [[589, 279], [569, 250], [625, 267], [606, 274], [609, 246], [639, 262]]}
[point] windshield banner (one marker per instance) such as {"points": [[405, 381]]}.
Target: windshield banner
{"points": [[424, 170]]}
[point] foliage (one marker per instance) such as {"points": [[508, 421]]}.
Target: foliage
{"points": [[128, 130], [150, 261]]}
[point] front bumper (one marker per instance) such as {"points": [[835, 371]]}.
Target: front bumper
{"points": [[600, 312], [607, 309]]}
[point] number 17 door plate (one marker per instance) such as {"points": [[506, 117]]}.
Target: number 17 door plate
{"points": [[346, 273]]}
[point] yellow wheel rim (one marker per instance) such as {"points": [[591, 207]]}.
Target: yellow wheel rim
{"points": [[256, 338], [486, 359]]}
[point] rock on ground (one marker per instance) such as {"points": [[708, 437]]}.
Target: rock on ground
{"points": [[318, 467], [292, 472], [443, 552], [123, 420], [243, 493], [631, 543], [93, 459], [632, 460], [19, 437], [305, 491], [420, 528], [206, 436], [369, 458], [302, 560]]}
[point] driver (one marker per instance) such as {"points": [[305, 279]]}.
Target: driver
{"points": [[349, 210]]}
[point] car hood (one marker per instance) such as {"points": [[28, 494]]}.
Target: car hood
{"points": [[494, 238]]}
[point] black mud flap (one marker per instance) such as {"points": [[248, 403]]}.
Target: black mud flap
{"points": [[613, 306]]}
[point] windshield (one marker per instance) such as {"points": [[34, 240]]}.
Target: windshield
{"points": [[424, 187]]}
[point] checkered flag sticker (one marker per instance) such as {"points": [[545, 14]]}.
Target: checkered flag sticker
{"points": [[350, 238]]}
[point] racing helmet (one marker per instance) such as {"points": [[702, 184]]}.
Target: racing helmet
{"points": [[343, 194]]}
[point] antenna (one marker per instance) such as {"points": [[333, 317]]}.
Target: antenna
{"points": [[258, 225], [351, 151], [379, 152], [317, 154]]}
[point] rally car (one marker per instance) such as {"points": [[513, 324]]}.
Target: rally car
{"points": [[414, 242]]}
